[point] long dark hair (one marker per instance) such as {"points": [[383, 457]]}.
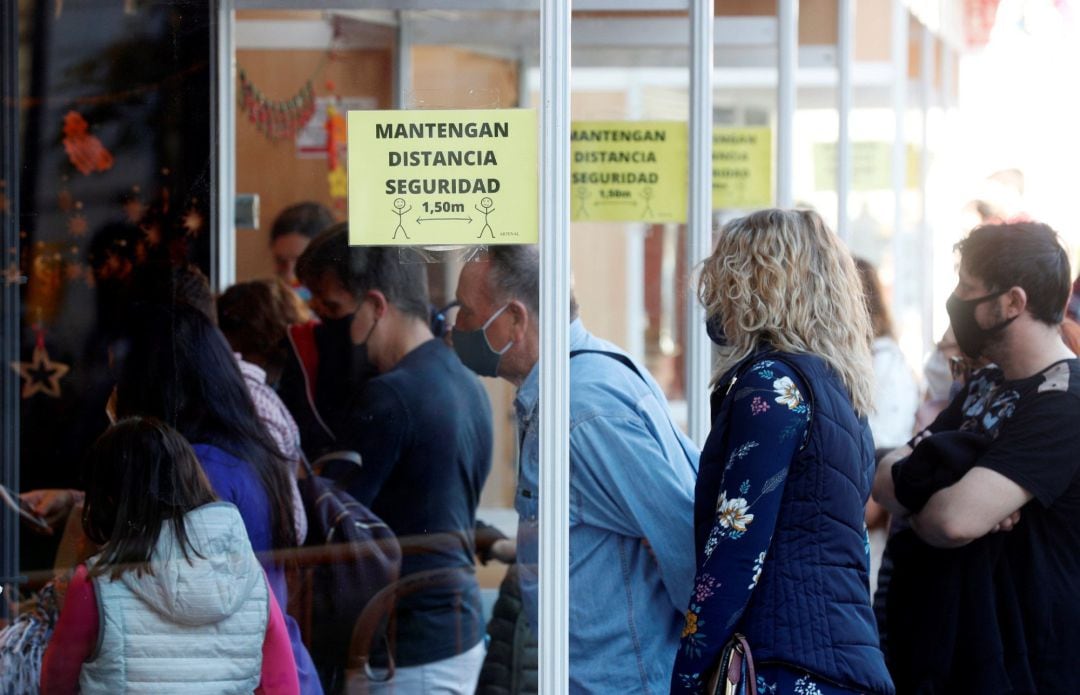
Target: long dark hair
{"points": [[140, 474], [176, 366]]}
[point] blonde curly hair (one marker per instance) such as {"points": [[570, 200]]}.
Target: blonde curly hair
{"points": [[782, 278]]}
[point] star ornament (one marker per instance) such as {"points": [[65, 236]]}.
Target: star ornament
{"points": [[134, 210], [40, 374], [13, 275], [77, 225], [193, 222], [339, 182]]}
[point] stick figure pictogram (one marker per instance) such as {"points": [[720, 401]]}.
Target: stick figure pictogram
{"points": [[486, 207], [400, 211]]}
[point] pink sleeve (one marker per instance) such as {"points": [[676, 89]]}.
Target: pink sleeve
{"points": [[279, 675], [74, 639]]}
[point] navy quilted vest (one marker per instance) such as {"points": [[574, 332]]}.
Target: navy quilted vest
{"points": [[811, 608]]}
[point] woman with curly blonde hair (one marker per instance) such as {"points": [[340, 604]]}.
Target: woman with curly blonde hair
{"points": [[787, 468]]}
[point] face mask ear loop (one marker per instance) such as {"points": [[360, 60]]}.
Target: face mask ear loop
{"points": [[488, 323]]}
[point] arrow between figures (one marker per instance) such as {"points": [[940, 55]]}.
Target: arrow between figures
{"points": [[443, 219]]}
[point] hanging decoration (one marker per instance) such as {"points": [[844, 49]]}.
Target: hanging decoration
{"points": [[41, 374], [134, 207], [277, 120], [85, 151], [193, 221], [339, 184], [45, 292], [77, 225], [336, 130], [13, 275]]}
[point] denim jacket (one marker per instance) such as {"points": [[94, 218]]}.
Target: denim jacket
{"points": [[632, 475]]}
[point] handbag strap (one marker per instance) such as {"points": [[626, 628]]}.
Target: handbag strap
{"points": [[741, 659]]}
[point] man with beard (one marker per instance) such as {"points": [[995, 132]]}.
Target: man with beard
{"points": [[969, 611]]}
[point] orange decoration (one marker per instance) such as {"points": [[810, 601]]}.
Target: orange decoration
{"points": [[335, 136], [85, 151], [77, 225], [193, 222]]}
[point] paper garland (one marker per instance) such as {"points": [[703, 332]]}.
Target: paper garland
{"points": [[277, 120]]}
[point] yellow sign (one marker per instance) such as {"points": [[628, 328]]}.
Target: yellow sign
{"points": [[871, 166], [628, 171], [443, 177], [742, 168]]}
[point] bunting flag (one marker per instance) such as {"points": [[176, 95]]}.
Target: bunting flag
{"points": [[277, 120]]}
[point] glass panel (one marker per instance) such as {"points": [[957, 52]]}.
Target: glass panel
{"points": [[440, 453], [386, 566], [630, 466]]}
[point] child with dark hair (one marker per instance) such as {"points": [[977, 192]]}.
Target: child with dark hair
{"points": [[255, 317], [175, 600], [175, 365]]}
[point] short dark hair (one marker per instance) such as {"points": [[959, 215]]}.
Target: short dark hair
{"points": [[141, 473], [398, 273], [306, 219], [1021, 254], [515, 274], [327, 253]]}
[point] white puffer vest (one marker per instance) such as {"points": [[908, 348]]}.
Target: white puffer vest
{"points": [[193, 627]]}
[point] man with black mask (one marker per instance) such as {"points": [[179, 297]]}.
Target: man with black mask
{"points": [[324, 369], [423, 429], [1003, 456]]}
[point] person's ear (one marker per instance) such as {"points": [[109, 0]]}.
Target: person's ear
{"points": [[378, 301], [1015, 302], [519, 321]]}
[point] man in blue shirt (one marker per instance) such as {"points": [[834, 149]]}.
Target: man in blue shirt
{"points": [[423, 430], [632, 475]]}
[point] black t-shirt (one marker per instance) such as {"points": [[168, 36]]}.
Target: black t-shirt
{"points": [[1034, 424]]}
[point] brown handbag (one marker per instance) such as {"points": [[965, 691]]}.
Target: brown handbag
{"points": [[734, 673]]}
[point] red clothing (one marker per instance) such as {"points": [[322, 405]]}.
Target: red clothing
{"points": [[76, 634]]}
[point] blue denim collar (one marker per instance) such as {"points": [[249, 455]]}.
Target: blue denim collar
{"points": [[528, 394]]}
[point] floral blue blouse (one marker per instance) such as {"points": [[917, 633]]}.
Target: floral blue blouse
{"points": [[768, 421]]}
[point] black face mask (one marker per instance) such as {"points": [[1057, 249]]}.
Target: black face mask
{"points": [[338, 347], [339, 328], [714, 326], [970, 336]]}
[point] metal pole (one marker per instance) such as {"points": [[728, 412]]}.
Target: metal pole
{"points": [[403, 62], [699, 219], [926, 269], [9, 297], [787, 74], [899, 152], [845, 42], [223, 108], [554, 570]]}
